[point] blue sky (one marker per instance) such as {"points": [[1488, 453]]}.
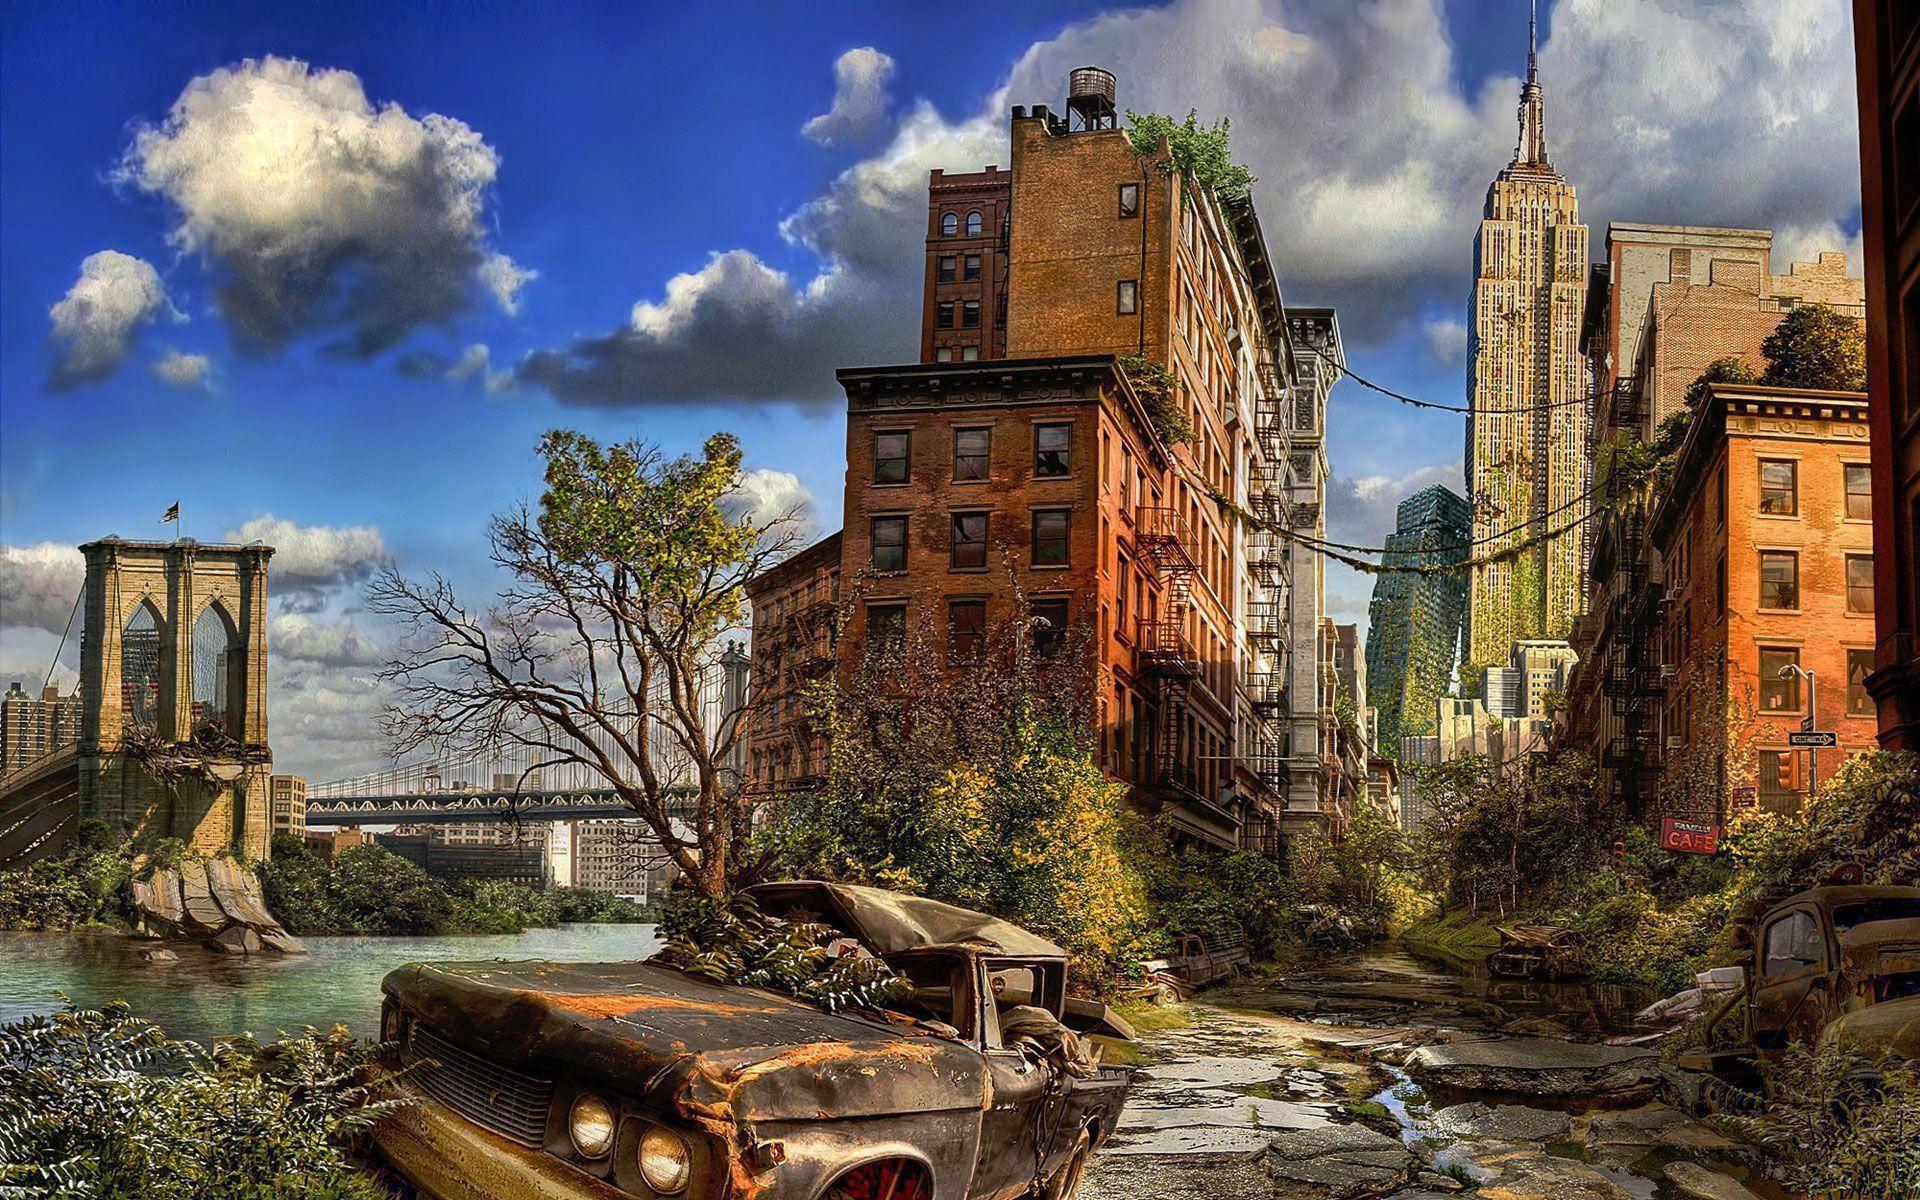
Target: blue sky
{"points": [[604, 150]]}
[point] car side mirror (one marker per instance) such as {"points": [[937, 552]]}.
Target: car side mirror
{"points": [[1741, 937]]}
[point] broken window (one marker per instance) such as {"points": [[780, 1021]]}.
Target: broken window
{"points": [[889, 543]]}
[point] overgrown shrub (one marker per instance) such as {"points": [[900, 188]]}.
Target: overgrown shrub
{"points": [[86, 883], [1837, 1123], [732, 941], [102, 1104]]}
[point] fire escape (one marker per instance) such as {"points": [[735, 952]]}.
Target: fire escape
{"points": [[1271, 567], [1165, 546], [805, 641], [1632, 679]]}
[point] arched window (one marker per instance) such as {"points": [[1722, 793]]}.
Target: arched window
{"points": [[973, 224], [140, 671], [950, 224], [215, 669]]}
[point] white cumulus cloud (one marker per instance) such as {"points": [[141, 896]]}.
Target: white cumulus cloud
{"points": [[38, 584], [94, 324], [319, 210], [332, 642], [178, 369], [766, 495], [310, 559], [1446, 339], [860, 79]]}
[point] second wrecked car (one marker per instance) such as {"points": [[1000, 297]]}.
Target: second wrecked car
{"points": [[608, 1080]]}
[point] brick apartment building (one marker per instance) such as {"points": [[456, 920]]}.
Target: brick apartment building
{"points": [[975, 486], [1668, 301], [1764, 546], [31, 726], [1887, 52], [287, 801]]}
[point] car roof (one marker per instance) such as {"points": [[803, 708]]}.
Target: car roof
{"points": [[890, 922], [1853, 894]]}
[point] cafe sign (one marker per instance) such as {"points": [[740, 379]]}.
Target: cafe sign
{"points": [[1689, 837]]}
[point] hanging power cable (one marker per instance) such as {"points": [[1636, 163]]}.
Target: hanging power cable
{"points": [[1364, 382]]}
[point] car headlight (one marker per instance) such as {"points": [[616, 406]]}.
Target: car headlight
{"points": [[590, 1124], [665, 1161]]}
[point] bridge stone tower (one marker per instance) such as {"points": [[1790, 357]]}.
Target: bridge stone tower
{"points": [[153, 757]]}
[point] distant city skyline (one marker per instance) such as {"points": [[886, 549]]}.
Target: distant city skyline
{"points": [[663, 223]]}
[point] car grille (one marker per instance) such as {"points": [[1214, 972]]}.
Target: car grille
{"points": [[509, 1102]]}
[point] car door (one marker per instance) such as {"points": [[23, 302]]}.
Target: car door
{"points": [[1020, 1082], [1792, 968]]}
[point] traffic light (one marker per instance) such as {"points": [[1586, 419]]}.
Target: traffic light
{"points": [[1619, 856]]}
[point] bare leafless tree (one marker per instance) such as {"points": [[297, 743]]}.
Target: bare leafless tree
{"points": [[604, 652]]}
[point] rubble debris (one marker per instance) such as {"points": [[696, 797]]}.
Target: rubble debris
{"points": [[216, 902], [1340, 1162], [1539, 1067], [1533, 1175], [1703, 1183], [1502, 1122]]}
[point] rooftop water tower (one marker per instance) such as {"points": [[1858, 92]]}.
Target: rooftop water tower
{"points": [[1090, 94]]}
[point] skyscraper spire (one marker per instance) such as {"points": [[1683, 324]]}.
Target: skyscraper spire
{"points": [[1533, 106]]}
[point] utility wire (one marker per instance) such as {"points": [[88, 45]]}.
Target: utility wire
{"points": [[1364, 382]]}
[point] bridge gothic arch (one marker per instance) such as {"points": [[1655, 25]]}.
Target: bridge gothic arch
{"points": [[184, 624]]}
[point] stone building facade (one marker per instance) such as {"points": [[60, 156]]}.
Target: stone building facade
{"points": [[221, 801], [1887, 54], [1526, 454], [288, 794]]}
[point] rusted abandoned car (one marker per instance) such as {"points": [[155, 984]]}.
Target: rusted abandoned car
{"points": [[1191, 961], [618, 1080], [1539, 952], [1841, 963]]}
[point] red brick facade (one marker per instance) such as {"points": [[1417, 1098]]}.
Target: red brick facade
{"points": [[1764, 560], [964, 310]]}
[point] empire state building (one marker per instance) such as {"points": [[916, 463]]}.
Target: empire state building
{"points": [[1526, 460]]}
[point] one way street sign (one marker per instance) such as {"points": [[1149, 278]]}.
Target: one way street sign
{"points": [[1817, 737]]}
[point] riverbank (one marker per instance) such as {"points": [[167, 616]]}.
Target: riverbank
{"points": [[201, 995]]}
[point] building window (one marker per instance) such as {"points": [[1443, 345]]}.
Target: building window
{"points": [[1050, 537], [1127, 299], [1129, 200], [1859, 492], [889, 543], [973, 224], [943, 354], [886, 628], [1779, 486], [1048, 620], [943, 315], [1777, 694], [890, 457], [969, 548], [1859, 666], [966, 630], [1052, 450], [950, 224], [969, 354], [1860, 583], [970, 448], [970, 314], [946, 269], [972, 267], [1779, 579]]}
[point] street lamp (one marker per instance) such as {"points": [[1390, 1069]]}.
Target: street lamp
{"points": [[1813, 691]]}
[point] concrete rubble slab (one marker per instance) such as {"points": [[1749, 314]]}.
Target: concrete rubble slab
{"points": [[1340, 1161], [1703, 1183], [1542, 1067], [1502, 1122], [1532, 1175]]}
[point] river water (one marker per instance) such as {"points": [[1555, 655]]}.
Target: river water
{"points": [[204, 995]]}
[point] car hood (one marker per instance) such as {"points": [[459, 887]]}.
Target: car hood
{"points": [[714, 1052], [1891, 1026], [1882, 947]]}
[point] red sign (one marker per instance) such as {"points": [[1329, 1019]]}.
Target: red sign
{"points": [[1689, 837]]}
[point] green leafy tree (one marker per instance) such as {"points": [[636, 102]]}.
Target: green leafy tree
{"points": [[1816, 347], [604, 651], [974, 783], [1203, 154]]}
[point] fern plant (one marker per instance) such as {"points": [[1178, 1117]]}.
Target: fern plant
{"points": [[1837, 1122], [733, 942]]}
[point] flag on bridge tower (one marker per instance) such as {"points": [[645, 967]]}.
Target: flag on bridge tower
{"points": [[172, 513]]}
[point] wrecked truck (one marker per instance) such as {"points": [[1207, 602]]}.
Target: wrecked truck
{"points": [[1833, 964], [608, 1081]]}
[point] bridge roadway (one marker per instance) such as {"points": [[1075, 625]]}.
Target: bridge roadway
{"points": [[444, 808]]}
